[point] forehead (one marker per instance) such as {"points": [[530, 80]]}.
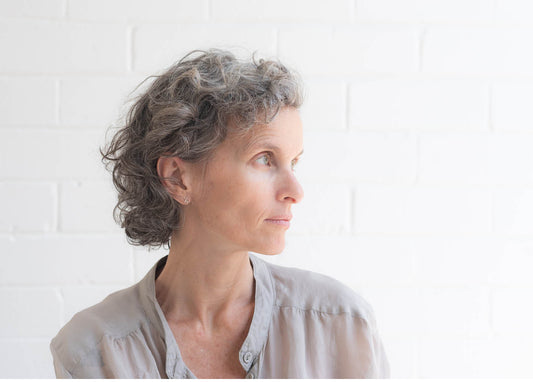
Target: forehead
{"points": [[285, 131], [258, 135]]}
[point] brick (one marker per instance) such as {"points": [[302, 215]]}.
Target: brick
{"points": [[324, 210], [107, 98], [511, 105], [423, 210], [32, 8], [456, 158], [455, 311], [424, 103], [28, 207], [424, 10], [515, 11], [511, 156], [127, 10], [324, 107], [449, 260], [357, 261], [514, 263], [477, 51], [401, 355], [502, 357], [476, 158], [397, 310], [51, 155], [26, 358], [513, 211], [511, 311], [432, 352], [59, 47], [350, 157], [29, 312], [87, 207], [69, 260], [373, 49], [282, 11], [27, 101], [76, 299], [153, 53], [367, 254]]}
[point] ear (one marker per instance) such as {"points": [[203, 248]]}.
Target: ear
{"points": [[174, 175]]}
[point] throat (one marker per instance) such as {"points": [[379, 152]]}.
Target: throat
{"points": [[196, 290], [214, 353]]}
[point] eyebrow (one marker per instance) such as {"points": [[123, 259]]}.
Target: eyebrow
{"points": [[271, 147]]}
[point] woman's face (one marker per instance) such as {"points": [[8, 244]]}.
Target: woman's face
{"points": [[243, 201]]}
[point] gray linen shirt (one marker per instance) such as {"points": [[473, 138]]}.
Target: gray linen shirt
{"points": [[305, 325]]}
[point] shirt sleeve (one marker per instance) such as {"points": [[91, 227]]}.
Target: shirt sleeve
{"points": [[60, 370], [382, 367], [367, 337], [364, 353]]}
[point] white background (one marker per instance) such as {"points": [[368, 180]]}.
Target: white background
{"points": [[418, 164]]}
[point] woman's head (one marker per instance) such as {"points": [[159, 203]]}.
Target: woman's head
{"points": [[186, 113]]}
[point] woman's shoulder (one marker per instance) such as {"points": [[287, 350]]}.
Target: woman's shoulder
{"points": [[115, 316], [312, 291]]}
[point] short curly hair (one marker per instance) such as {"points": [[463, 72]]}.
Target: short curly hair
{"points": [[185, 112]]}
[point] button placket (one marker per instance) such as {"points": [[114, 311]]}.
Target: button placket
{"points": [[247, 357]]}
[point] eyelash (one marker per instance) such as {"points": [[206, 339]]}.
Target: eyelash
{"points": [[269, 157]]}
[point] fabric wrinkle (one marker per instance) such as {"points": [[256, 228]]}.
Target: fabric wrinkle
{"points": [[304, 325]]}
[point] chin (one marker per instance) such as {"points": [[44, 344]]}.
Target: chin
{"points": [[269, 253], [271, 249]]}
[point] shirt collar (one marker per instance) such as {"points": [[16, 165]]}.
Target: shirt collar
{"points": [[257, 335]]}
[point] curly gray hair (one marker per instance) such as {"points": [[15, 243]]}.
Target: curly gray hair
{"points": [[185, 113]]}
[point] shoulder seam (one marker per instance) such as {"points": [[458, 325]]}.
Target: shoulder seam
{"points": [[85, 351], [81, 355], [355, 315]]}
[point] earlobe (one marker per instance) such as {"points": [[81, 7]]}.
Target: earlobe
{"points": [[171, 172]]}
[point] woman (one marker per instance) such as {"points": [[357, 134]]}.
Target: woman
{"points": [[205, 165]]}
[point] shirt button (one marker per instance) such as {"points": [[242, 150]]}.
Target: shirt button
{"points": [[250, 376], [247, 357]]}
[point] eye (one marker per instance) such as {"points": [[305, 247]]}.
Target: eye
{"points": [[294, 163], [265, 159]]}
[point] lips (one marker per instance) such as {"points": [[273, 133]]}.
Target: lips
{"points": [[282, 220], [281, 217]]}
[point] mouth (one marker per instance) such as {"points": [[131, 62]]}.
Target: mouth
{"points": [[283, 221]]}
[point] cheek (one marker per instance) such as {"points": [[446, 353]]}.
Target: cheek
{"points": [[243, 197]]}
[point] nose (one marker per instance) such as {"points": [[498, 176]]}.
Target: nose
{"points": [[291, 190]]}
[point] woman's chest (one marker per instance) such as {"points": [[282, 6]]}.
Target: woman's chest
{"points": [[216, 357], [213, 356]]}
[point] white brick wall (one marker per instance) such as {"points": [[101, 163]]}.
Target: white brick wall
{"points": [[422, 103], [418, 164], [511, 102], [38, 94], [91, 102], [156, 46], [478, 50], [28, 207], [62, 47], [352, 49]]}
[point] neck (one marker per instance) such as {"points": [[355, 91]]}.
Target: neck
{"points": [[204, 284]]}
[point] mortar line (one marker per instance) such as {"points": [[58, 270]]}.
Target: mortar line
{"points": [[490, 121], [129, 49], [421, 37], [353, 205], [57, 97]]}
